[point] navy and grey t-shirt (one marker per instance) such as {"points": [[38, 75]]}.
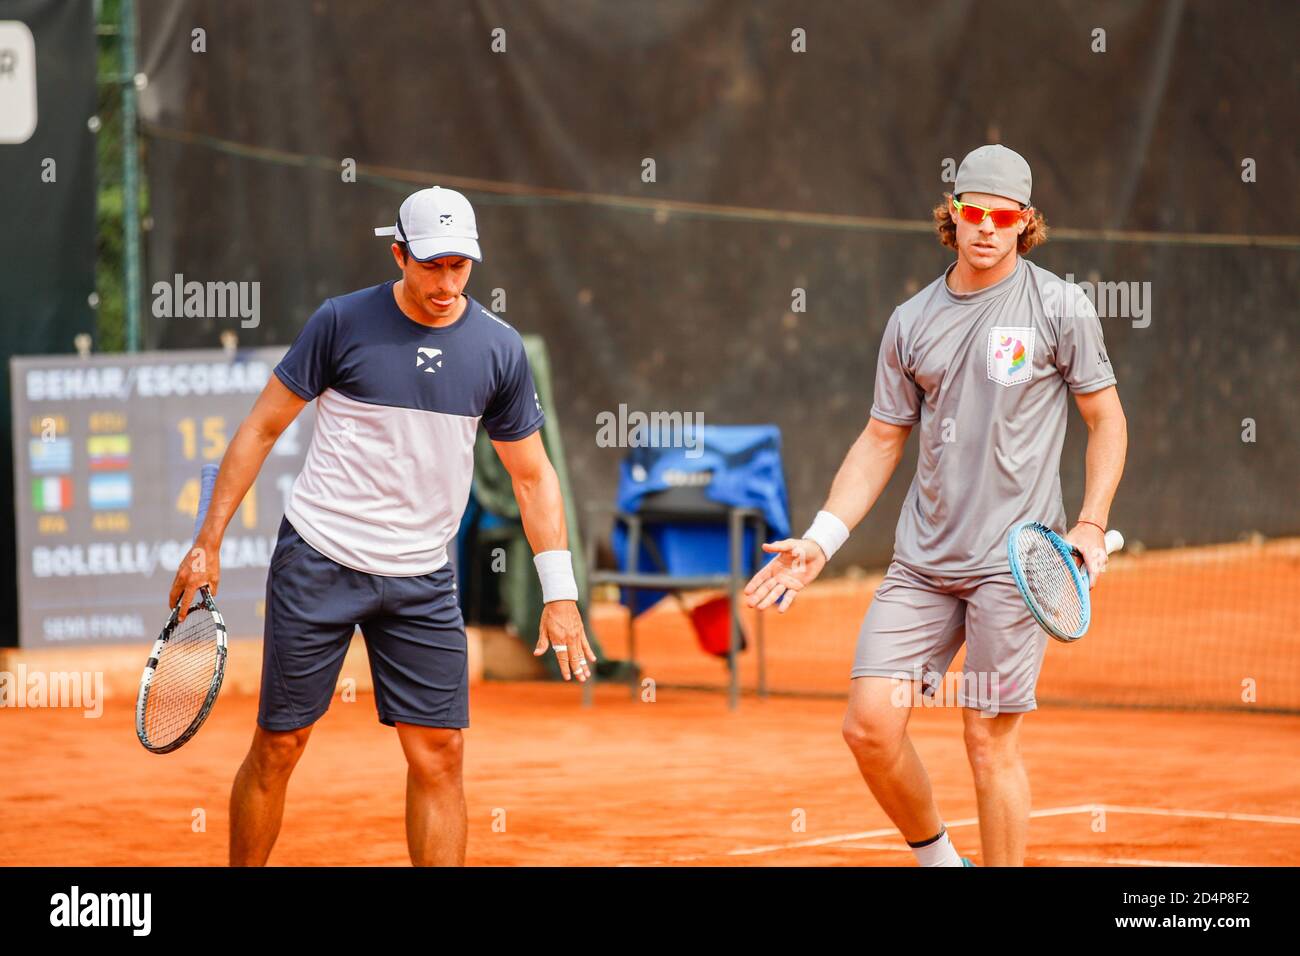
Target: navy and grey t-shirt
{"points": [[398, 405]]}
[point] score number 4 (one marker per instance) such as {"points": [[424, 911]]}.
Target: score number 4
{"points": [[187, 503]]}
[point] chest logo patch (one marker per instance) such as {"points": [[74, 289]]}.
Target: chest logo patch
{"points": [[428, 359], [1011, 354]]}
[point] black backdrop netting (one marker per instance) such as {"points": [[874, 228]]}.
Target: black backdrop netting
{"points": [[47, 231], [689, 308]]}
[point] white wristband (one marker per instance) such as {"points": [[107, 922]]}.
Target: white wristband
{"points": [[555, 568], [829, 532]]}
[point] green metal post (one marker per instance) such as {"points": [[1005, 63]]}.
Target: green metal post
{"points": [[130, 178]]}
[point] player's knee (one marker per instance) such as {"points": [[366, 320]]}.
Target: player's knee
{"points": [[436, 760], [988, 751], [275, 753], [871, 740]]}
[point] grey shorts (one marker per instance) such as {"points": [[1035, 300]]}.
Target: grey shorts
{"points": [[917, 623]]}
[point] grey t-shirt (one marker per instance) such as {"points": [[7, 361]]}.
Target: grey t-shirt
{"points": [[986, 374]]}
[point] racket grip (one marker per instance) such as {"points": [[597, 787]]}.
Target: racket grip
{"points": [[207, 481], [1114, 541]]}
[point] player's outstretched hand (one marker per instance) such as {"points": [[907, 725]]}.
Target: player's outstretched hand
{"points": [[562, 629], [797, 563], [201, 565]]}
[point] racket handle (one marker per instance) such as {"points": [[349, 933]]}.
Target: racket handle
{"points": [[1114, 541], [207, 482]]}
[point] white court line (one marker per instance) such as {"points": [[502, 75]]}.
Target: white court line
{"points": [[845, 837], [887, 831], [1115, 861], [1104, 860], [971, 821], [887, 847], [1202, 814]]}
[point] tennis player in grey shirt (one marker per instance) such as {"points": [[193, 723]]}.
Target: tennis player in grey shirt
{"points": [[983, 360]]}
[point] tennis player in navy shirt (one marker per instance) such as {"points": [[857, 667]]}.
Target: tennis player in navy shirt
{"points": [[402, 374]]}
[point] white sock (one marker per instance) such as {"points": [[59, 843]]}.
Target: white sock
{"points": [[937, 851]]}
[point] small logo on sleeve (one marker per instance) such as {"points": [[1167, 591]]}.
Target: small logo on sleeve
{"points": [[1010, 356], [428, 359]]}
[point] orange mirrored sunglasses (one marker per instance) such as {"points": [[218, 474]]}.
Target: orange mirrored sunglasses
{"points": [[1002, 218]]}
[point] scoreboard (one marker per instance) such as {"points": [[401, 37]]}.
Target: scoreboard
{"points": [[107, 453]]}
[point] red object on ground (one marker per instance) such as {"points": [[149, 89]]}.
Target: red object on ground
{"points": [[712, 628]]}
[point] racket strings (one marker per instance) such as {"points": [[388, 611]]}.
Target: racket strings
{"points": [[1050, 581], [186, 668]]}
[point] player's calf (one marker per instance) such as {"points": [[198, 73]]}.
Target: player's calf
{"points": [[436, 821]]}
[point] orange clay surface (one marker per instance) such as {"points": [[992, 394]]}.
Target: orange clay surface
{"points": [[1215, 627], [678, 781], [682, 780]]}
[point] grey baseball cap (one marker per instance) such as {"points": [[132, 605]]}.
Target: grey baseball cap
{"points": [[995, 170]]}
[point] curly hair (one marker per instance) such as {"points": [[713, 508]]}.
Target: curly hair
{"points": [[1035, 233]]}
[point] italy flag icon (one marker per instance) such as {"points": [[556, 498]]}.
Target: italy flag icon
{"points": [[51, 495]]}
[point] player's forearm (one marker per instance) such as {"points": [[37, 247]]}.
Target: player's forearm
{"points": [[541, 509], [239, 468], [864, 473], [1104, 465]]}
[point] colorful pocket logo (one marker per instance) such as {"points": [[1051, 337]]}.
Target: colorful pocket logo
{"points": [[1011, 354]]}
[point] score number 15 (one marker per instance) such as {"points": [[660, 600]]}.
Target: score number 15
{"points": [[214, 446]]}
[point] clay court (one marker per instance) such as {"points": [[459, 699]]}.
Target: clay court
{"points": [[682, 780]]}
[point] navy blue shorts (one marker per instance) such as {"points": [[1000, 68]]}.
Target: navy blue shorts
{"points": [[415, 639]]}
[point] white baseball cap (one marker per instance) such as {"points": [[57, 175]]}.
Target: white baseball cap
{"points": [[436, 222]]}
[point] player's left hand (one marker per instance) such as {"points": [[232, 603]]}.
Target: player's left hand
{"points": [[797, 563], [1092, 542], [562, 629]]}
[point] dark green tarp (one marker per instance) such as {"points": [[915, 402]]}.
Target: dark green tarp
{"points": [[521, 591]]}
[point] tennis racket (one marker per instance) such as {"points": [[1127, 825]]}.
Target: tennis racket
{"points": [[1053, 579], [183, 675]]}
